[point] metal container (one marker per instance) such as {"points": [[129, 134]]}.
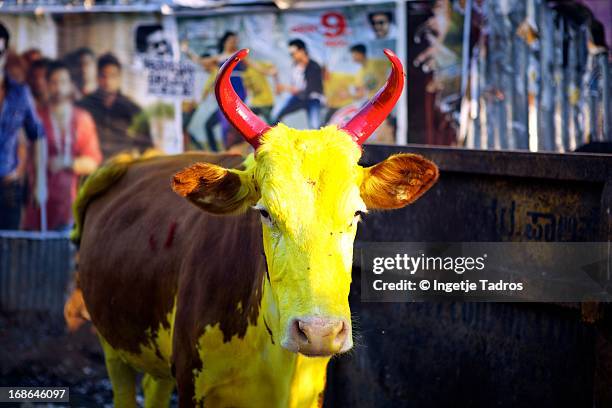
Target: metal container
{"points": [[452, 354]]}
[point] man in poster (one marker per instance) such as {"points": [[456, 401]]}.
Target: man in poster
{"points": [[17, 112], [306, 88], [383, 32], [382, 24], [151, 42], [114, 112], [72, 150], [372, 74]]}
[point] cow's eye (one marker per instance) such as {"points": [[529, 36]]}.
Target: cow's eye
{"points": [[266, 218]]}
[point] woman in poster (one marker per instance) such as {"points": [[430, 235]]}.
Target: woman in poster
{"points": [[250, 77], [227, 46]]}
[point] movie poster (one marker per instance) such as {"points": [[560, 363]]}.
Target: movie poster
{"points": [[434, 47], [101, 85], [148, 80], [346, 66]]}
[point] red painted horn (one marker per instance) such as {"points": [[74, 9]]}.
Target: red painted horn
{"points": [[365, 122], [250, 126]]}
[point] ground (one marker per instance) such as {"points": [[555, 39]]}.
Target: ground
{"points": [[37, 350]]}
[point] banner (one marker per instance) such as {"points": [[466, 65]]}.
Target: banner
{"points": [[344, 44]]}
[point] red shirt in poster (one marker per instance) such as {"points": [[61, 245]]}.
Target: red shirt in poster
{"points": [[82, 140]]}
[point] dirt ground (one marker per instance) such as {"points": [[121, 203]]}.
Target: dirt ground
{"points": [[37, 350]]}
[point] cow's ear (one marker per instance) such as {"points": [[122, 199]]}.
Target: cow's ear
{"points": [[397, 181], [215, 189]]}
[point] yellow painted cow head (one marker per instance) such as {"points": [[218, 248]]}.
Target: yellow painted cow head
{"points": [[311, 193]]}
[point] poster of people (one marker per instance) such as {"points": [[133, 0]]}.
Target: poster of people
{"points": [[306, 68], [104, 84], [89, 98], [434, 50]]}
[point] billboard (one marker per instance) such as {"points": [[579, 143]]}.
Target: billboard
{"points": [[345, 65]]}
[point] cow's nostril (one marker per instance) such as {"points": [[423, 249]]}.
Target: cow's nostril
{"points": [[338, 329], [301, 333], [341, 334]]}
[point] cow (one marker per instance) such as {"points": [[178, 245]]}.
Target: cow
{"points": [[228, 277]]}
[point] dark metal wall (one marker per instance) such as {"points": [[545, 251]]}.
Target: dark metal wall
{"points": [[451, 354], [34, 271], [501, 196]]}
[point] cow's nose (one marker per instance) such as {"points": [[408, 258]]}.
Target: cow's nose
{"points": [[319, 336]]}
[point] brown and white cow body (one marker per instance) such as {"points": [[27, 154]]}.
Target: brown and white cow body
{"points": [[234, 286]]}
